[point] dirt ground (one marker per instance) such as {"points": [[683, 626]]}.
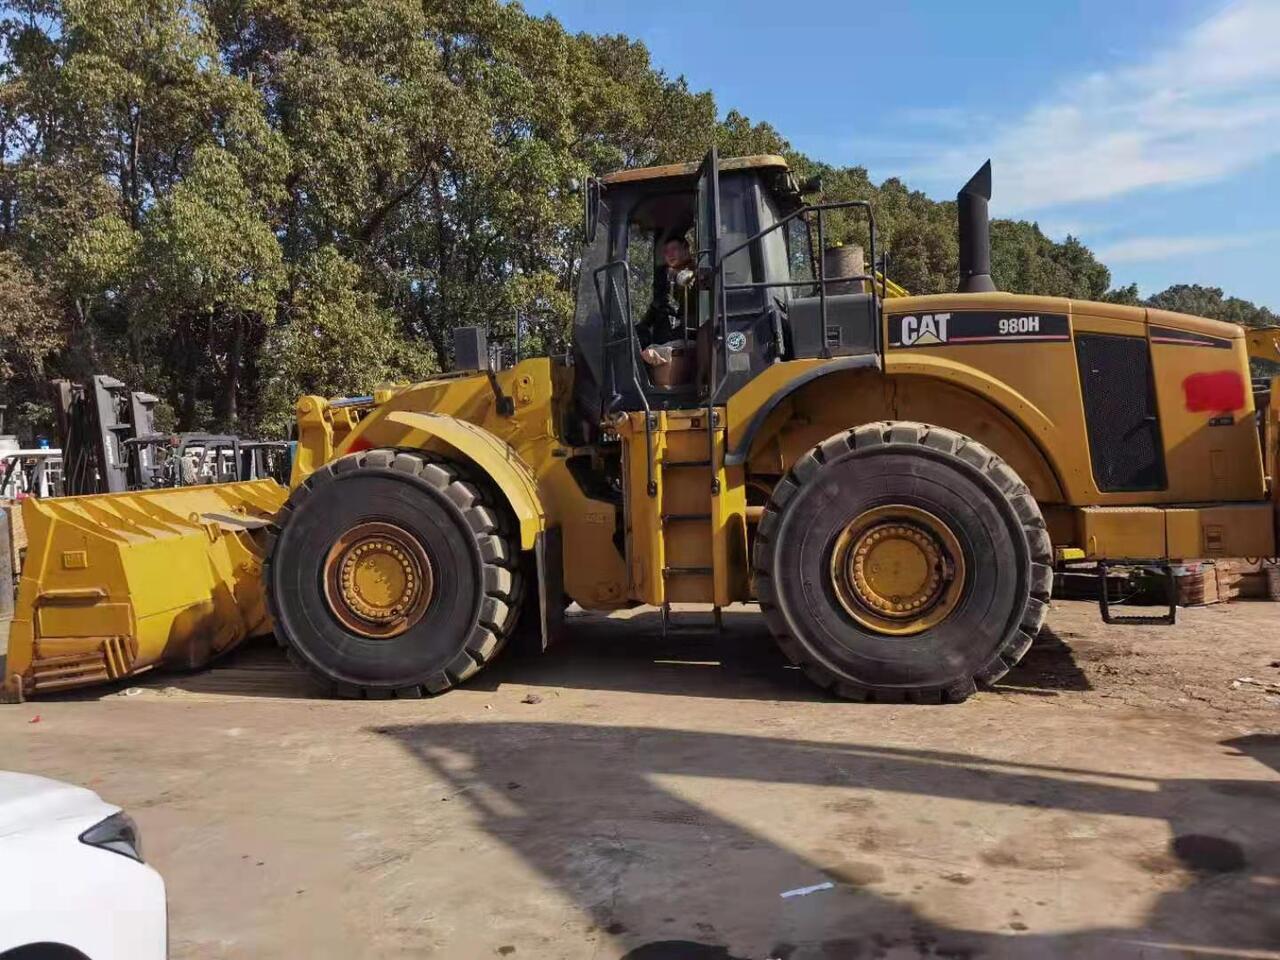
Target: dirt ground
{"points": [[629, 796]]}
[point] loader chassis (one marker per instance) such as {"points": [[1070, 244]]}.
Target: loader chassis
{"points": [[892, 477]]}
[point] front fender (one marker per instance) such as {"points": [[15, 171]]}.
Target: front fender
{"points": [[491, 456]]}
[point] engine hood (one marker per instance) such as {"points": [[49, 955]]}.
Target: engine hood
{"points": [[1023, 303]]}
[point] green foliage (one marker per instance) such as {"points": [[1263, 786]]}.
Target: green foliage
{"points": [[335, 338], [236, 202], [28, 330], [736, 136], [1210, 302], [1127, 295], [209, 252], [1024, 260], [28, 333]]}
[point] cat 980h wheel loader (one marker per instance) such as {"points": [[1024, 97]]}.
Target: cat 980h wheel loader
{"points": [[893, 478]]}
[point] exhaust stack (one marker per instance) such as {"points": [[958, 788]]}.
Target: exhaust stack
{"points": [[975, 233]]}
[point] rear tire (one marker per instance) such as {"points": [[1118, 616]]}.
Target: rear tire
{"points": [[975, 620], [443, 528]]}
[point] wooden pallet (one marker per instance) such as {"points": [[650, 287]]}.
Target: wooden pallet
{"points": [[1198, 583], [1259, 581], [1204, 582]]}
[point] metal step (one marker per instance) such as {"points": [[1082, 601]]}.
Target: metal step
{"points": [[686, 463], [686, 571], [668, 626], [683, 517]]}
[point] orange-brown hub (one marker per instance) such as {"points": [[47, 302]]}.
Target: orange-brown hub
{"points": [[377, 579], [897, 569]]}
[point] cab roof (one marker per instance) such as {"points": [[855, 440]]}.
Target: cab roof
{"points": [[762, 161]]}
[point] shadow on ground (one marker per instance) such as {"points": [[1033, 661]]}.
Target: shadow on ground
{"points": [[631, 654], [600, 812], [740, 662], [1049, 666], [598, 652]]}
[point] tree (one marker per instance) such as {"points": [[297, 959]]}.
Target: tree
{"points": [[1211, 302], [1024, 260], [334, 339], [29, 332], [234, 202], [737, 136], [209, 292], [1127, 295]]}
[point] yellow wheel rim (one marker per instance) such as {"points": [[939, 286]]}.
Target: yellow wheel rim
{"points": [[897, 570], [377, 580]]}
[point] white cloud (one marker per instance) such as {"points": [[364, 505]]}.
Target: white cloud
{"points": [[1200, 110], [1156, 248]]}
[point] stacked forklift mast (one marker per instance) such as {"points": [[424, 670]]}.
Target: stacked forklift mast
{"points": [[96, 420], [111, 445]]}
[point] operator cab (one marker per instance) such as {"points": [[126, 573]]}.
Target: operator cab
{"points": [[757, 294]]}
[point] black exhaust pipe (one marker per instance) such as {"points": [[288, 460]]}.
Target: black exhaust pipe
{"points": [[975, 233]]}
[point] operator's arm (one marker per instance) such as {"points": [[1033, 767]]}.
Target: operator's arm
{"points": [[646, 333], [645, 326]]}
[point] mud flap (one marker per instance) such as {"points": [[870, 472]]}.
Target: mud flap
{"points": [[541, 624], [551, 599]]}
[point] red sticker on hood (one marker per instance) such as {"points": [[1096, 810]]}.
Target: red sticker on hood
{"points": [[1217, 392]]}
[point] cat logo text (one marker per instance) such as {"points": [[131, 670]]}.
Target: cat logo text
{"points": [[925, 329]]}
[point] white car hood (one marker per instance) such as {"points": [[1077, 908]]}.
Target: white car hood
{"points": [[27, 800]]}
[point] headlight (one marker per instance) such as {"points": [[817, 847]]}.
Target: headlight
{"points": [[118, 833]]}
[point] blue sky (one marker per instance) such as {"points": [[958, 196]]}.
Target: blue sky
{"points": [[1151, 130]]}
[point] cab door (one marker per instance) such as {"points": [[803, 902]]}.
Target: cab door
{"points": [[741, 331], [708, 255]]}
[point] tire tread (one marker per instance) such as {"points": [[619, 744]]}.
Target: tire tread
{"points": [[502, 581], [952, 443]]}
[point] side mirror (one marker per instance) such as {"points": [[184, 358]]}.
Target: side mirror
{"points": [[470, 349], [811, 185], [590, 209]]}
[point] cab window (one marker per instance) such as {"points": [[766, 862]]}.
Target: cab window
{"points": [[642, 264], [800, 259], [737, 223]]}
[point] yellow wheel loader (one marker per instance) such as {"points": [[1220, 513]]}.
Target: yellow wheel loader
{"points": [[893, 478]]}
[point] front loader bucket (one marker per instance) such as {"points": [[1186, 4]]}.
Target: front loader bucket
{"points": [[118, 583]]}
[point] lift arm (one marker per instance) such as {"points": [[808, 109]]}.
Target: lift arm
{"points": [[1263, 343]]}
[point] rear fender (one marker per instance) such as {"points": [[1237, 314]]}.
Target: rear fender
{"points": [[798, 404]]}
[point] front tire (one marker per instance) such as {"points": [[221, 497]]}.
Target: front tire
{"points": [[390, 575], [902, 561]]}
